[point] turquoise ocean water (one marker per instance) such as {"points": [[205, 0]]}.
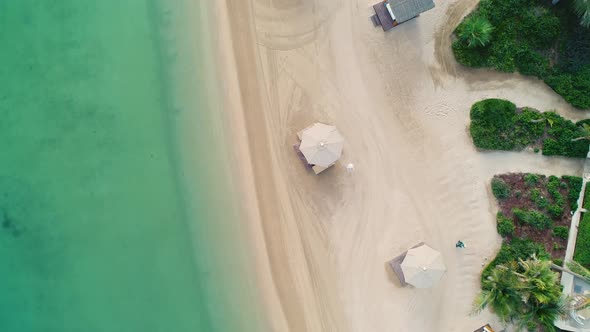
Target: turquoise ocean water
{"points": [[109, 221]]}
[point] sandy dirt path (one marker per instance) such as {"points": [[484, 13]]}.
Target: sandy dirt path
{"points": [[402, 104]]}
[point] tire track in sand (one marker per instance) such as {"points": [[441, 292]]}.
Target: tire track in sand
{"points": [[290, 24], [293, 269], [447, 65]]}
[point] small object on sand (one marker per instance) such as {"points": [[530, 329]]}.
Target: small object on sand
{"points": [[460, 244], [350, 168], [485, 258]]}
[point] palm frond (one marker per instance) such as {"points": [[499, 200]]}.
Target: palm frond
{"points": [[582, 9]]}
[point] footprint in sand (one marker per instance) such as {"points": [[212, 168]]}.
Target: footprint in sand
{"points": [[439, 110]]}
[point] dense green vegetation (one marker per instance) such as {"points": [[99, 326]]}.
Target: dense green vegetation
{"points": [[533, 38], [534, 218], [497, 124], [582, 252], [518, 284], [514, 250], [579, 269], [536, 207], [531, 179], [500, 189], [524, 292], [561, 232], [582, 9], [505, 225], [476, 31], [574, 188]]}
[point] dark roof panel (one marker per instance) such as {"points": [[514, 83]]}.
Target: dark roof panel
{"points": [[407, 9]]}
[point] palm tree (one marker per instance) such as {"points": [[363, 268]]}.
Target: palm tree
{"points": [[541, 293], [526, 293], [582, 9], [548, 120], [584, 133], [499, 292], [543, 315], [476, 31]]}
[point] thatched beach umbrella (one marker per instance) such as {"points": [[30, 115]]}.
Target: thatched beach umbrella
{"points": [[423, 267], [321, 144]]}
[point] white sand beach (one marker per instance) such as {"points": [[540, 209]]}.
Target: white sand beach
{"points": [[401, 102]]}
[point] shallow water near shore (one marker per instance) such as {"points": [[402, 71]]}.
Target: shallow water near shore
{"points": [[98, 228]]}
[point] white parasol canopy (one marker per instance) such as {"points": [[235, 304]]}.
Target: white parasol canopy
{"points": [[321, 144], [423, 267]]}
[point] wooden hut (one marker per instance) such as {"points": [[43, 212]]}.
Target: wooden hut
{"points": [[390, 13], [485, 328]]}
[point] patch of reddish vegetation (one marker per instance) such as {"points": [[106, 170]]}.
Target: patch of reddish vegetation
{"points": [[516, 181]]}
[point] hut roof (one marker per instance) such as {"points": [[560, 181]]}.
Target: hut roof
{"points": [[485, 328], [407, 9]]}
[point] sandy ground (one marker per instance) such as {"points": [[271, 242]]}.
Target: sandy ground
{"points": [[321, 243]]}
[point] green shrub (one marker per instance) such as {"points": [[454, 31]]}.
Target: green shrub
{"points": [[535, 39], [582, 251], [561, 135], [504, 225], [559, 202], [502, 54], [497, 125], [527, 130], [553, 186], [555, 210], [540, 27], [551, 147], [558, 261], [574, 55], [533, 218], [471, 57], [492, 124], [513, 251], [530, 62], [561, 232], [538, 199], [570, 87], [542, 202], [498, 11], [574, 188], [500, 188], [531, 179], [535, 194]]}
